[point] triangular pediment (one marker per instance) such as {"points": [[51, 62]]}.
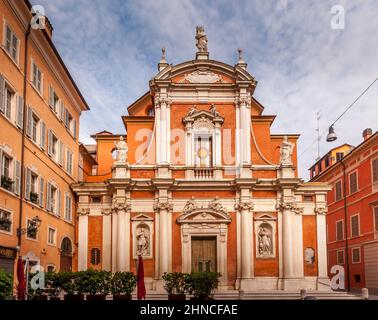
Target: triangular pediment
{"points": [[204, 215]]}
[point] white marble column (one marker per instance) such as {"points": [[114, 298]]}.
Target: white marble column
{"points": [[106, 240], [123, 239], [287, 235], [114, 240], [83, 240], [163, 127], [246, 242], [323, 280]]}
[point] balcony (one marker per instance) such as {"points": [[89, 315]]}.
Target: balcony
{"points": [[203, 173]]}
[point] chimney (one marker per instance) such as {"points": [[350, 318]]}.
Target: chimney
{"points": [[367, 133]]}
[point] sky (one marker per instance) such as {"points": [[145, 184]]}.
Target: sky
{"points": [[304, 55]]}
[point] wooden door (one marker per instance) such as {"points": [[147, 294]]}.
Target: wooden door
{"points": [[204, 254]]}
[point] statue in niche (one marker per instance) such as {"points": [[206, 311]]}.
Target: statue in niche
{"points": [[143, 242], [121, 147], [265, 241], [190, 206], [310, 255], [286, 151], [201, 39]]}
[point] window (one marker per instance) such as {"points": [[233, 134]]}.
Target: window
{"points": [[10, 172], [376, 218], [11, 43], [307, 198], [68, 208], [51, 236], [353, 182], [36, 77], [95, 256], [326, 161], [340, 257], [319, 167], [31, 233], [34, 187], [8, 102], [69, 156], [203, 151], [339, 156], [50, 268], [354, 226], [357, 278], [96, 199], [53, 99], [338, 191], [36, 128], [55, 148], [356, 255], [5, 221], [339, 230], [375, 170], [53, 199], [6, 166], [151, 112]]}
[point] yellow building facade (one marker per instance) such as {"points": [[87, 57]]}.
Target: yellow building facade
{"points": [[40, 106]]}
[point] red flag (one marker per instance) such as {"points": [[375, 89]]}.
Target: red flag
{"points": [[141, 289], [21, 287]]}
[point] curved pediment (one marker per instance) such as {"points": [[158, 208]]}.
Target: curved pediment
{"points": [[204, 72], [204, 216]]}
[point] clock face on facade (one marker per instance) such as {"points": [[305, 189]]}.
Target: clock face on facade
{"points": [[203, 153]]}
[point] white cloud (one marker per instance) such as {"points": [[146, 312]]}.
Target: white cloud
{"points": [[302, 65]]}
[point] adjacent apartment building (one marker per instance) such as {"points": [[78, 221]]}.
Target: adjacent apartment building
{"points": [[40, 107], [352, 218]]}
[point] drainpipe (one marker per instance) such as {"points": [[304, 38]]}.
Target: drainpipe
{"points": [[22, 178], [346, 227]]}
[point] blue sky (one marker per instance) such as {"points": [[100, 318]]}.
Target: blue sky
{"points": [[302, 65]]}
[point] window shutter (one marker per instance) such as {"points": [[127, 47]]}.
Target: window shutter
{"points": [[20, 112], [74, 129], [29, 122], [48, 197], [61, 155], [59, 195], [28, 184], [41, 187], [42, 141], [66, 118], [375, 170], [61, 111], [2, 94], [1, 162], [49, 143], [51, 97], [17, 177]]}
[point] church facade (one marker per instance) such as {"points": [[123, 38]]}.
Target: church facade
{"points": [[199, 183]]}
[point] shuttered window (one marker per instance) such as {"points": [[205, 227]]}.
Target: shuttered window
{"points": [[36, 77], [11, 43], [354, 226], [338, 191], [340, 257], [375, 170], [376, 218], [17, 177], [20, 112], [356, 255], [41, 191], [2, 94], [68, 208], [69, 159], [353, 182], [339, 230]]}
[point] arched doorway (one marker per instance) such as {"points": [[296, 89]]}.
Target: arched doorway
{"points": [[66, 255]]}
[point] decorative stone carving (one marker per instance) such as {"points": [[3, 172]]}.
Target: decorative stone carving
{"points": [[143, 241], [83, 211], [163, 206], [265, 235], [203, 123], [142, 230], [201, 39], [309, 255], [189, 206], [244, 205], [286, 152], [213, 110], [202, 76], [162, 100], [320, 210], [121, 149], [292, 206], [243, 100], [106, 211], [217, 206], [265, 244], [120, 206]]}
